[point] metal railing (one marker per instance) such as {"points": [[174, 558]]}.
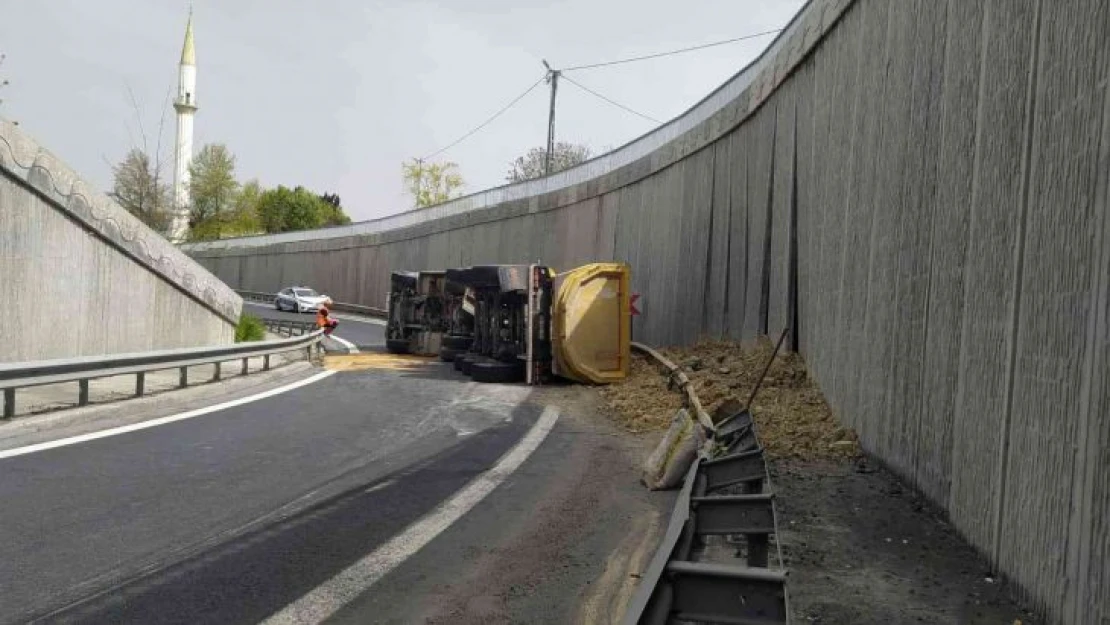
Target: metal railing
{"points": [[289, 327], [14, 376], [358, 309], [725, 494]]}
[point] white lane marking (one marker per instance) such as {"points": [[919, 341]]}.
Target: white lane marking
{"points": [[123, 429], [326, 599], [351, 348]]}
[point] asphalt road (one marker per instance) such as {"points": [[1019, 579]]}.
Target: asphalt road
{"points": [[364, 333], [229, 517]]}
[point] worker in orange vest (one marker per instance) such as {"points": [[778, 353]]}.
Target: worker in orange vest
{"points": [[324, 322]]}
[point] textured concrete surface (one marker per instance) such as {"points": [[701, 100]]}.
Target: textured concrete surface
{"points": [[925, 183], [80, 276]]}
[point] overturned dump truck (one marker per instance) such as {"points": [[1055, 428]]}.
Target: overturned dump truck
{"points": [[514, 323], [418, 317]]}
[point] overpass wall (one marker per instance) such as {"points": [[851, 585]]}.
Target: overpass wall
{"points": [[79, 276], [919, 188]]}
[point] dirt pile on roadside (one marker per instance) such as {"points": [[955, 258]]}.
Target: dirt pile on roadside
{"points": [[642, 403], [792, 418]]}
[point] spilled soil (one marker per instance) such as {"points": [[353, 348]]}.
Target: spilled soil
{"points": [[792, 418]]}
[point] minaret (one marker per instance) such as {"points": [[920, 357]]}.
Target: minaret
{"points": [[186, 106]]}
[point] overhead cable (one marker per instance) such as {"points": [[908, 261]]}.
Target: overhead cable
{"points": [[487, 122], [609, 100], [672, 52]]}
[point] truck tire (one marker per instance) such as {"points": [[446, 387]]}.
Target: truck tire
{"points": [[469, 361], [457, 342], [497, 372], [397, 346], [459, 358], [446, 354]]}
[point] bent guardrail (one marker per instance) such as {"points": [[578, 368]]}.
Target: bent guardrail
{"points": [[726, 493], [14, 376], [358, 309]]}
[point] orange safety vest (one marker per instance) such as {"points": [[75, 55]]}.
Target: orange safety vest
{"points": [[321, 318]]}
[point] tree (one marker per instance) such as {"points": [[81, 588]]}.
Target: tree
{"points": [[333, 214], [244, 219], [531, 165], [137, 181], [212, 186], [284, 209], [138, 189], [431, 183]]}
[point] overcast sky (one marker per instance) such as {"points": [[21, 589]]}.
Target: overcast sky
{"points": [[335, 95]]}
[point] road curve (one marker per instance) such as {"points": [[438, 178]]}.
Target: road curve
{"points": [[367, 453], [232, 516]]}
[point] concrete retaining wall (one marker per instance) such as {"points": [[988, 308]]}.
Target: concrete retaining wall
{"points": [[80, 276], [919, 188]]}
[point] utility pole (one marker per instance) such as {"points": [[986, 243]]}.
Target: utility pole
{"points": [[3, 83], [553, 80]]}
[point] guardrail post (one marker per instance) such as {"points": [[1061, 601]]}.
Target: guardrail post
{"points": [[216, 372], [246, 367], [140, 383], [184, 378], [82, 392], [266, 362], [9, 403]]}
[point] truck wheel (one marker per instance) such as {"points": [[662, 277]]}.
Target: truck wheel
{"points": [[468, 363], [446, 354], [500, 372], [397, 346], [457, 341]]}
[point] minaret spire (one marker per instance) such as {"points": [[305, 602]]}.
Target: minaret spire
{"points": [[186, 106]]}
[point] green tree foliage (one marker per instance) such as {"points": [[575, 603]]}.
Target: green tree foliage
{"points": [[333, 214], [212, 187], [138, 188], [531, 165], [431, 183], [284, 209], [250, 328]]}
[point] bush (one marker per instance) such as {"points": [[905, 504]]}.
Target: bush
{"points": [[250, 328]]}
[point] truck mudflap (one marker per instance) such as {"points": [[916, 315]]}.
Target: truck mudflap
{"points": [[538, 357], [591, 323]]}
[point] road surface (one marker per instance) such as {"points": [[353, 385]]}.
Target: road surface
{"points": [[239, 514]]}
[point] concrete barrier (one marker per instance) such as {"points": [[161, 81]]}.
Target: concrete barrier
{"points": [[919, 189], [79, 276]]}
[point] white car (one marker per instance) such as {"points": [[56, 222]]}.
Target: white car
{"points": [[300, 299]]}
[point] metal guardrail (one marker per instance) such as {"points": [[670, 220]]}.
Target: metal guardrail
{"points": [[289, 327], [14, 376], [358, 309], [726, 494]]}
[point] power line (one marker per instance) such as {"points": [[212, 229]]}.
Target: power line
{"points": [[487, 122], [672, 52], [610, 101]]}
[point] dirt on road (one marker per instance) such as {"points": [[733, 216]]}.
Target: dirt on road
{"points": [[791, 414], [863, 549]]}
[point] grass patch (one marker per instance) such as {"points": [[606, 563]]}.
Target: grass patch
{"points": [[250, 328]]}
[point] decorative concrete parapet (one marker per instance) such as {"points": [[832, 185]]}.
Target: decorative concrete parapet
{"points": [[24, 160]]}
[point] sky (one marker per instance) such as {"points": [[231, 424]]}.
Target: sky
{"points": [[335, 95]]}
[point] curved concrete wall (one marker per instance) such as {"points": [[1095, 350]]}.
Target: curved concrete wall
{"points": [[919, 188], [79, 276]]}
